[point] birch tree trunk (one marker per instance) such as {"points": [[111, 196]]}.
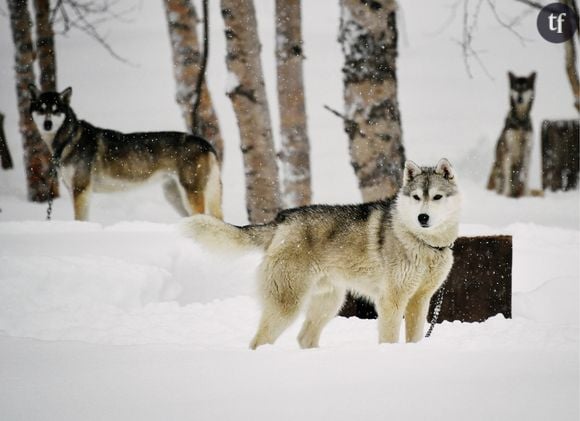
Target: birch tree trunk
{"points": [[187, 57], [295, 153], [45, 46], [247, 92], [368, 35], [41, 183]]}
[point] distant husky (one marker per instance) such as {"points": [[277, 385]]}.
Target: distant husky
{"points": [[395, 252], [91, 158], [509, 175]]}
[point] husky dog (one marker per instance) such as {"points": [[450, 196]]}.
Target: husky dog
{"points": [[509, 175], [395, 252], [94, 159]]}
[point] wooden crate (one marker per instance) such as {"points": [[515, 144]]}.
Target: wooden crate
{"points": [[560, 154], [478, 287]]}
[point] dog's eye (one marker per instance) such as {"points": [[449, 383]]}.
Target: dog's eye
{"points": [[437, 197], [416, 197]]}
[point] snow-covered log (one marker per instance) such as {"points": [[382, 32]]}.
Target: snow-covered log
{"points": [[560, 154]]}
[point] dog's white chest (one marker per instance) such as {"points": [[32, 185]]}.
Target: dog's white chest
{"points": [[518, 141], [67, 173]]}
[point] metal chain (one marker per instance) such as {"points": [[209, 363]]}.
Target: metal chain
{"points": [[49, 209], [436, 310], [52, 176]]}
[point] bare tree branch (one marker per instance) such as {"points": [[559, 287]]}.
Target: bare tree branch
{"points": [[86, 16], [453, 7], [466, 43], [508, 26], [530, 3], [470, 23], [351, 125]]}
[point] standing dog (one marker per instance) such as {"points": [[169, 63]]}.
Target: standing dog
{"points": [[395, 252], [509, 175], [94, 159]]}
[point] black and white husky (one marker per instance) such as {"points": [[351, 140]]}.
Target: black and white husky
{"points": [[89, 158], [509, 175], [395, 252]]}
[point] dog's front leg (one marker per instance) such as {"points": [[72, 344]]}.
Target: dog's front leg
{"points": [[416, 315], [81, 198], [81, 188], [390, 309]]}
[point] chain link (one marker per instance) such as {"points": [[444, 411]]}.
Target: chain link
{"points": [[52, 176], [436, 310]]}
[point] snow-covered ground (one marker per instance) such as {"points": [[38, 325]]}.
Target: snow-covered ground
{"points": [[122, 319]]}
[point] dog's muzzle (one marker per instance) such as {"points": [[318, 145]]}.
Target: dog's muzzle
{"points": [[47, 125]]}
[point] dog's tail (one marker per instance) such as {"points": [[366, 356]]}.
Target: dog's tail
{"points": [[225, 238]]}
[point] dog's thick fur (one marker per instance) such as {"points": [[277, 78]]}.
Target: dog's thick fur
{"points": [[509, 174], [94, 159], [395, 252]]}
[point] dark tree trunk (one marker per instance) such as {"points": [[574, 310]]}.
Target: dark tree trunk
{"points": [[368, 35], [182, 21], [5, 157], [45, 46], [37, 160], [295, 153], [247, 92]]}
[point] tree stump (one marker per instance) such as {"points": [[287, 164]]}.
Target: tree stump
{"points": [[560, 154], [479, 285]]}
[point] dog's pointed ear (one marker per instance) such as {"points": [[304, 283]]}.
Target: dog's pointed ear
{"points": [[445, 169], [34, 92], [512, 78], [65, 95], [411, 171], [532, 78]]}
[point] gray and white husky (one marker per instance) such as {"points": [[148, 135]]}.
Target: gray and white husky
{"points": [[89, 158], [395, 252]]}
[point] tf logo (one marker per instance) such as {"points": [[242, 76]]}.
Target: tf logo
{"points": [[557, 22]]}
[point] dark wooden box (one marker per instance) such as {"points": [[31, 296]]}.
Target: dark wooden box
{"points": [[560, 154]]}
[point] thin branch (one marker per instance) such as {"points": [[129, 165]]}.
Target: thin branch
{"points": [[466, 42], [450, 18], [86, 16], [336, 113], [506, 25], [533, 4], [351, 126]]}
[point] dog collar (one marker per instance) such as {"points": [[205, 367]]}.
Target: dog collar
{"points": [[450, 247]]}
